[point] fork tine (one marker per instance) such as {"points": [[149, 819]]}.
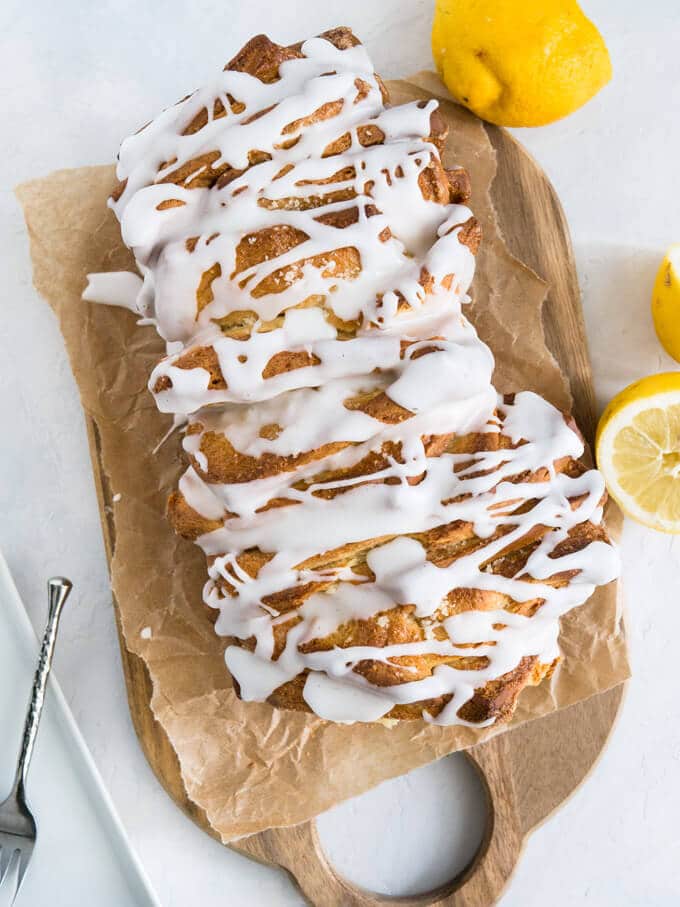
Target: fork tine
{"points": [[4, 862], [22, 865], [8, 883]]}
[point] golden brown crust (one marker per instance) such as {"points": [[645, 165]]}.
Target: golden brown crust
{"points": [[262, 58], [192, 524], [459, 181], [470, 234], [494, 700], [220, 463]]}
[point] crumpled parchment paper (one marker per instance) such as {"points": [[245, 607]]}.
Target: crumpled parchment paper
{"points": [[249, 766]]}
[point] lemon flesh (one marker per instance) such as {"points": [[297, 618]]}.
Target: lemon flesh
{"points": [[638, 450], [519, 64], [666, 302]]}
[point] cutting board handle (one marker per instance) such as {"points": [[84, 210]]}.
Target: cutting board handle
{"points": [[299, 851]]}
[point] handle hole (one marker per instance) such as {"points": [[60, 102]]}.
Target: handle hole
{"points": [[412, 834]]}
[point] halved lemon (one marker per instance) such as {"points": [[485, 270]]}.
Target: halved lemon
{"points": [[638, 450]]}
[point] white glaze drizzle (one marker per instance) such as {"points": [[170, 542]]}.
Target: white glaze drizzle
{"points": [[448, 390], [118, 288], [402, 573]]}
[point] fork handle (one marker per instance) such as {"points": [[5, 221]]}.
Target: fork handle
{"points": [[58, 589]]}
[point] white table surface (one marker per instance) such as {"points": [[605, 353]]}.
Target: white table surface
{"points": [[66, 794], [76, 78]]}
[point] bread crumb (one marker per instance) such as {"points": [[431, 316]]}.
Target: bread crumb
{"points": [[146, 633]]}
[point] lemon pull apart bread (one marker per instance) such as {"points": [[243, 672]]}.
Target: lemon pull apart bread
{"points": [[386, 536]]}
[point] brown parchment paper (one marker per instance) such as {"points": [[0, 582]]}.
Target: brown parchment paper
{"points": [[249, 766]]}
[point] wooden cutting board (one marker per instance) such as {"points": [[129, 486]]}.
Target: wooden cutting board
{"points": [[529, 771]]}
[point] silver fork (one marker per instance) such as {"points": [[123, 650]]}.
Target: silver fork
{"points": [[17, 825]]}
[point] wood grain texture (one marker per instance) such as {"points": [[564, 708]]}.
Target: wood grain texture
{"points": [[535, 230], [527, 772]]}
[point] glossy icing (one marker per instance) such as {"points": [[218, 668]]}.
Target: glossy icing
{"points": [[402, 283]]}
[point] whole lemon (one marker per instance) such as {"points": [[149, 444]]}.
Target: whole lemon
{"points": [[519, 62], [666, 302]]}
